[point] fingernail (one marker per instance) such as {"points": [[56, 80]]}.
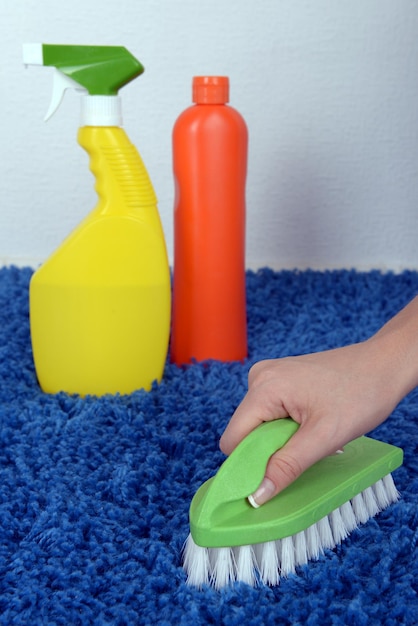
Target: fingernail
{"points": [[265, 492]]}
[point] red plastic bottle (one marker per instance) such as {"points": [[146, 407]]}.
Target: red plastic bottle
{"points": [[210, 145]]}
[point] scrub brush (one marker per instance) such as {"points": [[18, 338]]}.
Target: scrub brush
{"points": [[231, 541]]}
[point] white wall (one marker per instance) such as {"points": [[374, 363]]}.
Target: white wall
{"points": [[329, 90]]}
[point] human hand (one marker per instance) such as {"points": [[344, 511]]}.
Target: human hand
{"points": [[335, 396]]}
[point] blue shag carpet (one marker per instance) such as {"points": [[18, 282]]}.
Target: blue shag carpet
{"points": [[94, 492]]}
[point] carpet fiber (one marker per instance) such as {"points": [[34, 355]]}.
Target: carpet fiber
{"points": [[94, 492]]}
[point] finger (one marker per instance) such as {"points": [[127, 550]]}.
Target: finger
{"points": [[301, 451], [253, 411]]}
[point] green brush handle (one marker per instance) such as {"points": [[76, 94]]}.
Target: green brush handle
{"points": [[242, 472]]}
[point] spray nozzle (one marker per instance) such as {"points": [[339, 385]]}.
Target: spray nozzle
{"points": [[97, 71]]}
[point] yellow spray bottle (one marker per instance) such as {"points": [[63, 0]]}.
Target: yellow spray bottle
{"points": [[100, 305]]}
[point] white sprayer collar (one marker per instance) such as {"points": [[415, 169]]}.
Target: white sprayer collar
{"points": [[101, 111]]}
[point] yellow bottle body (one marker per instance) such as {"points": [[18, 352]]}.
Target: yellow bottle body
{"points": [[100, 305]]}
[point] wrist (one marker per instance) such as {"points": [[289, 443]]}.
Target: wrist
{"points": [[394, 350]]}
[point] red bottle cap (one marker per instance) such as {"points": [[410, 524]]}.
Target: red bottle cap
{"points": [[210, 89]]}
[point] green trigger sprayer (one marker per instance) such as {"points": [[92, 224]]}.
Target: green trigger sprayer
{"points": [[100, 305]]}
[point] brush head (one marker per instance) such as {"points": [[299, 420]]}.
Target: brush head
{"points": [[342, 489], [268, 562]]}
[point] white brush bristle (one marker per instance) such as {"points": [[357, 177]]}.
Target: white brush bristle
{"points": [[313, 543], [287, 556], [339, 531], [301, 550], [267, 562], [222, 563], [246, 564], [326, 537]]}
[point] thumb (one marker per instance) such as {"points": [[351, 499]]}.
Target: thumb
{"points": [[288, 463]]}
